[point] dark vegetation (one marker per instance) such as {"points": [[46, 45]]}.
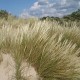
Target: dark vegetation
{"points": [[4, 14], [75, 16]]}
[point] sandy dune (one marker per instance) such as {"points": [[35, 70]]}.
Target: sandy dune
{"points": [[7, 69]]}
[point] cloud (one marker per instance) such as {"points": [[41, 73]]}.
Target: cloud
{"points": [[25, 14], [79, 3], [63, 2], [58, 8], [35, 6]]}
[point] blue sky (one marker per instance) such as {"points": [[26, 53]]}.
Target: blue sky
{"points": [[40, 8], [15, 6]]}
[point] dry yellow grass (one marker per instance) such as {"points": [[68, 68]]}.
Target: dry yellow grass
{"points": [[51, 51]]}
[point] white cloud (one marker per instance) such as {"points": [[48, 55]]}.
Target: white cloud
{"points": [[64, 10], [25, 14], [63, 2], [35, 6], [79, 3], [52, 8], [50, 5]]}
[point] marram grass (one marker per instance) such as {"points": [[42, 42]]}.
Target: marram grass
{"points": [[52, 50]]}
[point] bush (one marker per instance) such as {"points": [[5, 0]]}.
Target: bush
{"points": [[4, 14]]}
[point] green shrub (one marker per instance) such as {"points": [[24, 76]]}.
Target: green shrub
{"points": [[4, 14]]}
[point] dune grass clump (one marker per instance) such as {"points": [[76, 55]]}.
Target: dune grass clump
{"points": [[49, 48]]}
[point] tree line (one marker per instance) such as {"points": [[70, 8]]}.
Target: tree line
{"points": [[75, 16]]}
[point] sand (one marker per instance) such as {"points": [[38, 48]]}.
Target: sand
{"points": [[7, 69]]}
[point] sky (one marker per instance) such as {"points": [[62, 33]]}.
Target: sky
{"points": [[40, 8]]}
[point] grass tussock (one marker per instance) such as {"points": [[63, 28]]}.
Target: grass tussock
{"points": [[51, 49]]}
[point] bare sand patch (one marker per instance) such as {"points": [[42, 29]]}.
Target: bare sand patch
{"points": [[7, 69]]}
